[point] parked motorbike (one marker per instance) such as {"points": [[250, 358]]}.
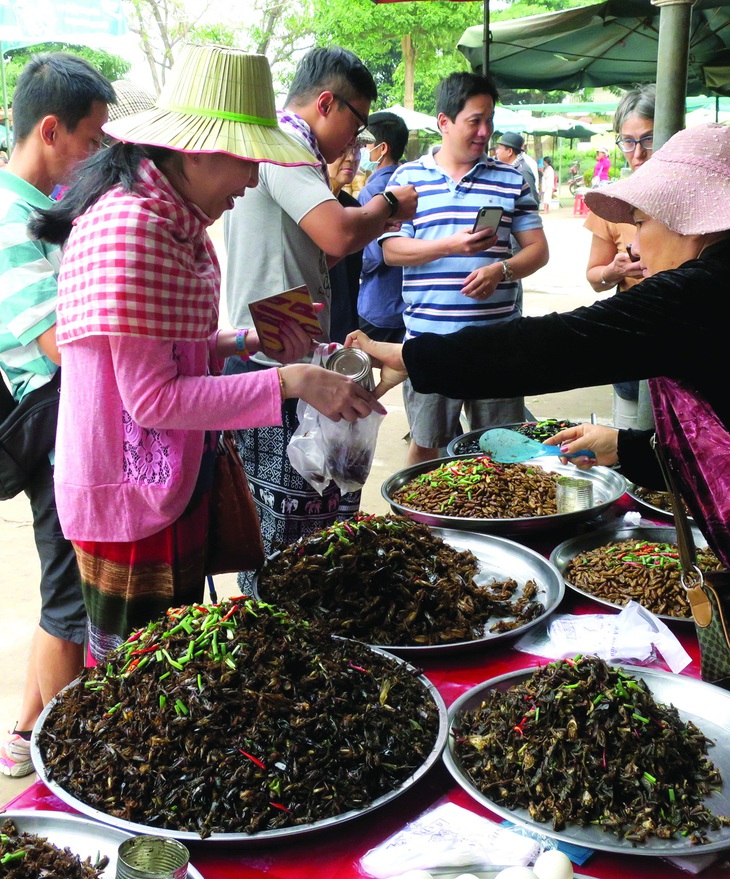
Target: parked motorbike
{"points": [[576, 180]]}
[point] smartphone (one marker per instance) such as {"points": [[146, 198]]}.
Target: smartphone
{"points": [[487, 218]]}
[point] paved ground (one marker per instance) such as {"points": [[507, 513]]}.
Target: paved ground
{"points": [[560, 286]]}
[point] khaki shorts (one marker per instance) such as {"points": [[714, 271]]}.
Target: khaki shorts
{"points": [[435, 420]]}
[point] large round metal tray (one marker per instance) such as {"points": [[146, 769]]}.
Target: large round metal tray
{"points": [[569, 549], [85, 838], [705, 705], [242, 838], [650, 509], [458, 444], [499, 559], [608, 487]]}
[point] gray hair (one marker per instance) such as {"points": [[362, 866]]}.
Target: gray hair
{"points": [[637, 102]]}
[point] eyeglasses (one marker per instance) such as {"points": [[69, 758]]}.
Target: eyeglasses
{"points": [[352, 151], [629, 144], [356, 113]]}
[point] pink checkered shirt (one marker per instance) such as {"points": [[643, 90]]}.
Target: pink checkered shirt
{"points": [[139, 263]]}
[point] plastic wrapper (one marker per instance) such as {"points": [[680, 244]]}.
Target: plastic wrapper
{"points": [[448, 836]]}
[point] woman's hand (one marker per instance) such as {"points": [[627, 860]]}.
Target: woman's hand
{"points": [[601, 440], [335, 396], [388, 356]]}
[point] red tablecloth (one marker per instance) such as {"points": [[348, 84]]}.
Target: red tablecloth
{"points": [[335, 854]]}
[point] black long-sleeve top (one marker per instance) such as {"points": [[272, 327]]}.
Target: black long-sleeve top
{"points": [[673, 324]]}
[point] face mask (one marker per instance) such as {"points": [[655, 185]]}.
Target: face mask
{"points": [[367, 163]]}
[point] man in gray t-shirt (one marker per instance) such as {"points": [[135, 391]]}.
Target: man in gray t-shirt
{"points": [[285, 233]]}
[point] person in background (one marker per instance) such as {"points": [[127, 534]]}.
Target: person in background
{"points": [[610, 264], [345, 274], [286, 233], [380, 304], [510, 149], [138, 327], [454, 277], [548, 183], [59, 106], [601, 168]]}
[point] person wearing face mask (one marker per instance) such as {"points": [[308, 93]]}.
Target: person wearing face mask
{"points": [[380, 304]]}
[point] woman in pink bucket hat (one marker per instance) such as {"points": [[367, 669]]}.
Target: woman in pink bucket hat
{"points": [[666, 328], [142, 397]]}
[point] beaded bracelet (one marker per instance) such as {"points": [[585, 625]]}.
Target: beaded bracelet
{"points": [[241, 344]]}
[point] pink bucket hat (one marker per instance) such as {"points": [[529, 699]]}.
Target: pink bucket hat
{"points": [[686, 185]]}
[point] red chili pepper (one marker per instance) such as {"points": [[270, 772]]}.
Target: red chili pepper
{"points": [[142, 650], [279, 806], [135, 636], [349, 529], [358, 668], [252, 758], [228, 614]]}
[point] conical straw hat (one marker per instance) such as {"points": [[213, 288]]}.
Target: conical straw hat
{"points": [[216, 100]]}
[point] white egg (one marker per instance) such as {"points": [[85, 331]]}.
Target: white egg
{"points": [[466, 876], [552, 864], [516, 873]]}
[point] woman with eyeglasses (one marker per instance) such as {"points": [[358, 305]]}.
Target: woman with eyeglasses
{"points": [[610, 264], [345, 274]]}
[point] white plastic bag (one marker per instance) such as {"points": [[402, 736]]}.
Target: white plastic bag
{"points": [[322, 450]]}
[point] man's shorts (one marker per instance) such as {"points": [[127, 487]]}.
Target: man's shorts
{"points": [[434, 420], [63, 614]]}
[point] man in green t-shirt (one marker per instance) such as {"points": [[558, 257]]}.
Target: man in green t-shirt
{"points": [[59, 105]]}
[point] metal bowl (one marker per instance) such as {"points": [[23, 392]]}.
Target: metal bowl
{"points": [[706, 705], [608, 487], [650, 509], [569, 549], [187, 836], [499, 559], [460, 445]]}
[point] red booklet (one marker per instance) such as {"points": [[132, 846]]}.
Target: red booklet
{"points": [[295, 304]]}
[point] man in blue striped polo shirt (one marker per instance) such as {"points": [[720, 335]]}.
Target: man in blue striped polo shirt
{"points": [[453, 277]]}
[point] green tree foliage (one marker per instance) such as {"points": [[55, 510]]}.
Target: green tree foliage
{"points": [[112, 66], [407, 46]]}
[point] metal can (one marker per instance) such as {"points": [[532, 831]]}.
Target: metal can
{"points": [[355, 364], [152, 857], [574, 494]]}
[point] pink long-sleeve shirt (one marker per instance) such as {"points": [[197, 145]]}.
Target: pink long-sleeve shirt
{"points": [[118, 477]]}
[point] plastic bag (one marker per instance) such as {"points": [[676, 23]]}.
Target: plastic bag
{"points": [[322, 450]]}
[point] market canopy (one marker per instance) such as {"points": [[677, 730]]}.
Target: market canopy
{"points": [[560, 126], [609, 43]]}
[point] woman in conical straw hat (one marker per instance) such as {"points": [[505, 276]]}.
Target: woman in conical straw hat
{"points": [[138, 332]]}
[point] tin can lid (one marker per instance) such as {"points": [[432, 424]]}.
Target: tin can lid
{"points": [[351, 362]]}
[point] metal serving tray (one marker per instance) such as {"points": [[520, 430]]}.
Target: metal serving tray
{"points": [[87, 839], [283, 833], [569, 549], [499, 559], [608, 487], [705, 705], [650, 509]]}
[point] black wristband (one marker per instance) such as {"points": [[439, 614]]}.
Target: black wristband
{"points": [[392, 202]]}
